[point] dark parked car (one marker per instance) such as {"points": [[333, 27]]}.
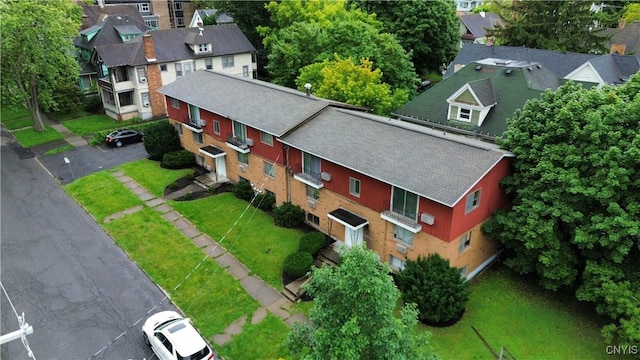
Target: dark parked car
{"points": [[124, 136]]}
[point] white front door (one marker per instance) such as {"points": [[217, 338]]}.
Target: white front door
{"points": [[221, 167]]}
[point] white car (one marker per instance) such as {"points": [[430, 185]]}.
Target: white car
{"points": [[172, 337]]}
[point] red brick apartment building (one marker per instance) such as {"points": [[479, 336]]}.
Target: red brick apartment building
{"points": [[401, 189]]}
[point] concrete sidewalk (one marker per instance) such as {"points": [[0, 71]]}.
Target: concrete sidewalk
{"points": [[270, 299], [72, 139]]}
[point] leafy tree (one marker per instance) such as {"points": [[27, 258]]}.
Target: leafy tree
{"points": [[37, 53], [306, 32], [632, 13], [161, 138], [428, 29], [353, 316], [438, 289], [344, 81], [563, 25], [575, 217]]}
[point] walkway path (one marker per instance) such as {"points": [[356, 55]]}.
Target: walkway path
{"points": [[269, 298]]}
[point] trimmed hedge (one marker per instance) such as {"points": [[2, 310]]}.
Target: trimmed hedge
{"points": [[243, 190], [264, 201], [298, 264], [312, 242], [178, 159], [288, 215]]}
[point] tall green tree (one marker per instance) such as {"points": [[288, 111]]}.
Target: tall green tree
{"points": [[428, 29], [560, 25], [358, 84], [575, 218], [37, 52], [353, 315], [306, 32]]}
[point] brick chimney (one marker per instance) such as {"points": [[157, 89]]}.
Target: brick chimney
{"points": [[149, 49]]}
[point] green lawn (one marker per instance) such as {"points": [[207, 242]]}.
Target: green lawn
{"points": [[90, 124], [259, 341], [151, 176], [111, 196], [528, 321], [210, 296], [16, 117], [261, 251], [30, 137]]}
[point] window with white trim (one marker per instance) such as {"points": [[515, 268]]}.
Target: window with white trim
{"points": [[203, 48], [405, 203], [313, 219], [245, 71], [187, 68], [243, 158], [142, 74], [266, 138], [143, 7], [108, 97], [354, 187], [178, 69], [180, 21], [227, 61], [464, 114], [163, 67], [146, 99], [208, 63], [402, 234], [177, 5], [465, 242], [197, 137], [268, 169], [216, 127], [473, 201], [313, 193], [175, 103], [396, 263]]}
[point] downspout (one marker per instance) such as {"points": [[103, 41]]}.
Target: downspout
{"points": [[287, 168]]}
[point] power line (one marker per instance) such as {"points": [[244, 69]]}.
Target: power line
{"points": [[25, 328]]}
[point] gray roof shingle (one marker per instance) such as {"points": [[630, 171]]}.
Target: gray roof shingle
{"points": [[616, 69], [478, 24], [261, 105], [108, 34], [439, 167], [560, 64]]}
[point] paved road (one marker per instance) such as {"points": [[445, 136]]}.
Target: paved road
{"points": [[77, 289]]}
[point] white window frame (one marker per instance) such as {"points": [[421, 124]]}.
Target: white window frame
{"points": [[473, 201], [462, 117], [312, 193], [354, 186], [228, 61], [216, 127], [203, 48], [245, 155], [144, 7], [269, 169], [177, 5], [179, 21], [396, 263], [163, 67], [313, 219], [208, 63], [197, 137], [403, 235], [179, 71], [245, 70], [465, 242], [266, 138], [175, 103]]}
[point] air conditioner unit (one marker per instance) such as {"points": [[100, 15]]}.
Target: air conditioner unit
{"points": [[146, 104], [243, 168], [203, 123], [143, 79], [427, 218], [312, 204], [325, 176], [249, 142], [401, 249]]}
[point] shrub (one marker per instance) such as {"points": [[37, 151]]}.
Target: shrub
{"points": [[288, 215], [298, 264], [312, 242], [68, 97], [160, 138], [438, 289], [265, 201], [243, 190], [178, 159], [93, 104]]}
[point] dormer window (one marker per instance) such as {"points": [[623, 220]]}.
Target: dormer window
{"points": [[464, 114], [472, 102], [203, 48]]}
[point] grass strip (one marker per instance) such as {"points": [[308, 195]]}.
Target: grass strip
{"points": [[101, 194], [151, 176], [262, 251]]}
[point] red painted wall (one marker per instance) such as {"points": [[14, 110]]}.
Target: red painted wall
{"points": [[492, 198], [177, 114]]}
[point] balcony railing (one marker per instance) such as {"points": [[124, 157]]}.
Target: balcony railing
{"points": [[306, 176], [409, 223], [238, 144]]}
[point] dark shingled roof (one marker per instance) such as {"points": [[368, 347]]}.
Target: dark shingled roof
{"points": [[93, 14], [616, 69], [560, 64], [439, 167], [171, 45], [478, 25], [629, 36], [108, 34], [510, 92], [270, 108]]}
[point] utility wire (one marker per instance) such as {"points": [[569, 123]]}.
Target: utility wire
{"points": [[21, 322]]}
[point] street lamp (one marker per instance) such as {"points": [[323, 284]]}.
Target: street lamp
{"points": [[68, 162]]}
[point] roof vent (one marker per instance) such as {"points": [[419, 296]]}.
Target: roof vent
{"points": [[508, 72], [539, 66], [478, 67], [529, 68]]}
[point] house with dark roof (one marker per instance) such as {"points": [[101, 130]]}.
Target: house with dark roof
{"points": [[625, 39], [131, 69], [477, 100], [400, 189], [473, 27], [200, 14], [94, 14], [160, 14], [609, 69]]}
